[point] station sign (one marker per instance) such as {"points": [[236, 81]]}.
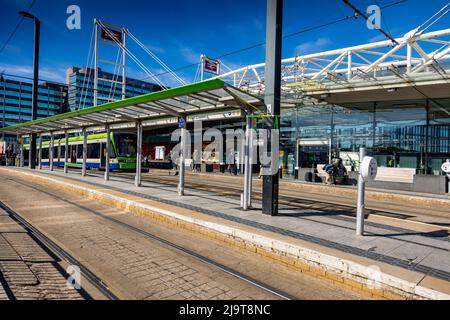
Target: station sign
{"points": [[211, 65], [446, 167], [369, 168], [111, 35], [182, 123]]}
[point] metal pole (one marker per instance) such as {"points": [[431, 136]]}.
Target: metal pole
{"points": [[83, 168], [448, 179], [330, 155], [22, 160], [34, 103], [246, 162], [40, 152], [124, 61], [202, 67], [108, 145], [59, 152], [274, 33], [66, 152], [137, 181], [250, 180], [51, 155], [181, 169], [361, 194], [95, 62]]}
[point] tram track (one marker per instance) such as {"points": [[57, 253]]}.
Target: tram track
{"points": [[53, 248], [148, 235]]}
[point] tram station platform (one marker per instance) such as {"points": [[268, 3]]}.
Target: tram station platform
{"points": [[395, 259]]}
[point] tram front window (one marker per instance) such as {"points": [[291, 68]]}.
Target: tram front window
{"points": [[126, 144]]}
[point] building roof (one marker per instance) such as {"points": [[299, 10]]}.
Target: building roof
{"points": [[151, 109]]}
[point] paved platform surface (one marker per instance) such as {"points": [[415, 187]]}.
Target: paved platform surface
{"points": [[27, 269], [425, 252]]}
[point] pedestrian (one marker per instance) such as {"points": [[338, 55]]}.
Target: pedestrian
{"points": [[336, 171], [230, 161], [196, 158]]}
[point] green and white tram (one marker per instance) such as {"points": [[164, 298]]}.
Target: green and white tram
{"points": [[122, 151]]}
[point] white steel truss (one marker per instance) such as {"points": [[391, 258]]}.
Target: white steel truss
{"points": [[418, 59]]}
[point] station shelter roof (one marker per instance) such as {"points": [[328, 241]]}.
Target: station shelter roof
{"points": [[153, 109]]}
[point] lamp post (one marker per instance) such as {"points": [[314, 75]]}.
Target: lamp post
{"points": [[37, 27]]}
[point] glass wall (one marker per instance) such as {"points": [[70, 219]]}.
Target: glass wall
{"points": [[405, 134]]}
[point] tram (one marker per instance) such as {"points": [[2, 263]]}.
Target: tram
{"points": [[122, 151]]}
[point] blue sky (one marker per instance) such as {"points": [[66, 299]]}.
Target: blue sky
{"points": [[178, 31]]}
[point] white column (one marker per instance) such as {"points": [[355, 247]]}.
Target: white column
{"points": [[66, 152], [246, 163], [40, 152], [108, 145], [137, 180], [21, 160], [83, 168], [96, 26], [250, 179], [50, 150], [361, 192], [181, 163]]}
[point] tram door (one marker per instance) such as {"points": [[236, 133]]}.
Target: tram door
{"points": [[73, 154], [103, 155]]}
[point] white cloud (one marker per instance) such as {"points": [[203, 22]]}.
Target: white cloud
{"points": [[51, 74], [155, 49], [190, 55], [312, 46], [380, 37]]}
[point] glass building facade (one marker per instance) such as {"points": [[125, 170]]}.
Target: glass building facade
{"points": [[80, 83], [16, 100], [412, 134], [403, 134]]}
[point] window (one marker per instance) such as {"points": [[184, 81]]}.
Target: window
{"points": [[45, 153], [93, 151], [80, 151], [126, 144]]}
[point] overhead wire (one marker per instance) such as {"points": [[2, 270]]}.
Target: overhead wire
{"points": [[16, 28], [304, 30]]}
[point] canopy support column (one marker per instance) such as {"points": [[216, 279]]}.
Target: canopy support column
{"points": [[21, 160], [247, 170], [83, 167], [51, 149], [108, 145], [66, 152], [137, 181], [250, 179], [182, 157], [40, 152]]}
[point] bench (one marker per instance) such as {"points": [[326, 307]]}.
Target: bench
{"points": [[404, 175]]}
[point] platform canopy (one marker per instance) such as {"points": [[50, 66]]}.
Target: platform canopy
{"points": [[162, 107]]}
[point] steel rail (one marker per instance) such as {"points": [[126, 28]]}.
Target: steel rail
{"points": [[170, 245], [59, 252]]}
